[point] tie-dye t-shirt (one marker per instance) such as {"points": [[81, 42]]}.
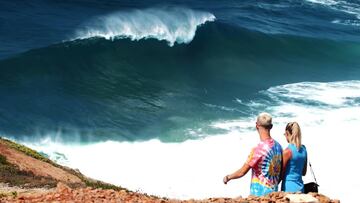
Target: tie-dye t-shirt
{"points": [[265, 160]]}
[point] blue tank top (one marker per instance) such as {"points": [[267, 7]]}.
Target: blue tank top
{"points": [[293, 173]]}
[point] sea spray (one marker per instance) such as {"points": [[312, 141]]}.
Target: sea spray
{"points": [[171, 24]]}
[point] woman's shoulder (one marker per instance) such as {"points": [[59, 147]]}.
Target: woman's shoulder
{"points": [[291, 146], [287, 151]]}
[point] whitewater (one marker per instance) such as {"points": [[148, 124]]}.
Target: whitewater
{"points": [[327, 113], [172, 24]]}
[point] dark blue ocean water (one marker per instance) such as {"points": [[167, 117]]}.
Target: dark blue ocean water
{"points": [[39, 23], [136, 70]]}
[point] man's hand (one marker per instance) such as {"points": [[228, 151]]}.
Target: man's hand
{"points": [[226, 179]]}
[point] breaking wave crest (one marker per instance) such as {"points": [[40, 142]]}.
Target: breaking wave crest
{"points": [[171, 24]]}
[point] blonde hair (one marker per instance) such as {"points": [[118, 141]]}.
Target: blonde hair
{"points": [[294, 134], [264, 119]]}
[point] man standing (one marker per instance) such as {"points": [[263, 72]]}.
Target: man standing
{"points": [[264, 160]]}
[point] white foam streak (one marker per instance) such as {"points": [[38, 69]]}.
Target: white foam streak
{"points": [[324, 2], [342, 6], [194, 169], [336, 93], [171, 24], [347, 22]]}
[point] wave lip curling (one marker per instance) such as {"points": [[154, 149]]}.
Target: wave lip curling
{"points": [[171, 24]]}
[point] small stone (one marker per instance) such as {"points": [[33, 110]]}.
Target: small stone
{"points": [[62, 188]]}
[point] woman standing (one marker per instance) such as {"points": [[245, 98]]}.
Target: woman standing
{"points": [[294, 160]]}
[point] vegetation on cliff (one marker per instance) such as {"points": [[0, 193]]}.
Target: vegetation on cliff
{"points": [[11, 174]]}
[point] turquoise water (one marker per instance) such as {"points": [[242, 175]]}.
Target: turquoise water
{"points": [[176, 86], [96, 89]]}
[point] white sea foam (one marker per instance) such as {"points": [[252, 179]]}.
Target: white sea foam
{"points": [[342, 6], [171, 24], [327, 112], [347, 22], [324, 2]]}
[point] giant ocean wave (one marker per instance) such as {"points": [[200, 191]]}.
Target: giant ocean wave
{"points": [[98, 89]]}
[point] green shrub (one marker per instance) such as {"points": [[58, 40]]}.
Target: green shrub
{"points": [[26, 150], [3, 159]]}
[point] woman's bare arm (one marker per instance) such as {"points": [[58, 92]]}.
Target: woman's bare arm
{"points": [[237, 174]]}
